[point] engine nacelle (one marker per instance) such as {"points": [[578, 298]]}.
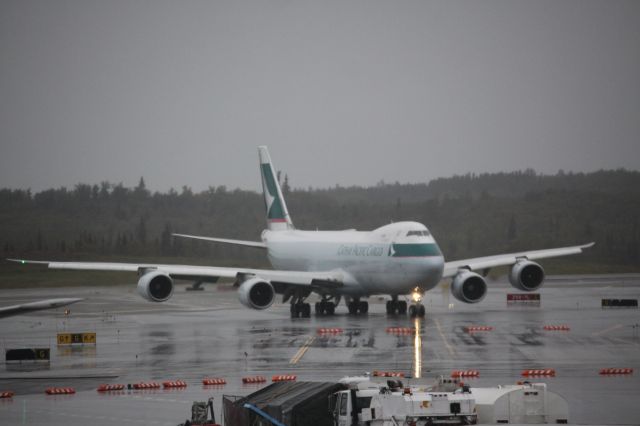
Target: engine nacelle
{"points": [[155, 286], [468, 287], [256, 293], [526, 275]]}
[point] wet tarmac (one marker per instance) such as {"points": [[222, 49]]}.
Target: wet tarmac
{"points": [[209, 334]]}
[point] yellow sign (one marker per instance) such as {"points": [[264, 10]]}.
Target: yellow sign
{"points": [[42, 354], [76, 338], [64, 338], [425, 404], [89, 338]]}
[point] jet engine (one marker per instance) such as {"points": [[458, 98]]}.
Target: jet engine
{"points": [[256, 293], [468, 287], [526, 275], [155, 286]]}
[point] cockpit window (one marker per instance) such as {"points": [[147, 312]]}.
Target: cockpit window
{"points": [[423, 233]]}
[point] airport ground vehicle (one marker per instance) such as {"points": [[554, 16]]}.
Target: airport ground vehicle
{"points": [[369, 403], [372, 401], [200, 414], [352, 401]]}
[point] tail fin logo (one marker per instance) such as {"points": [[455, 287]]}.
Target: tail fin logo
{"points": [[275, 212]]}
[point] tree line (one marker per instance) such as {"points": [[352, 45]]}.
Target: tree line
{"points": [[470, 215]]}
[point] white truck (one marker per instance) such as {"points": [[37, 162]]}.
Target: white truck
{"points": [[377, 404]]}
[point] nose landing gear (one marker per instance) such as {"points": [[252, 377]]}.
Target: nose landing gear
{"points": [[417, 310]]}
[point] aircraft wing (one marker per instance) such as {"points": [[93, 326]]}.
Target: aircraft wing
{"points": [[487, 262], [313, 279], [257, 244], [8, 311]]}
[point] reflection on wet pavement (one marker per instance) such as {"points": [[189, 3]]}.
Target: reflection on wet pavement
{"points": [[210, 334]]}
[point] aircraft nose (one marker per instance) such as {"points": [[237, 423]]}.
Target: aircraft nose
{"points": [[435, 267]]}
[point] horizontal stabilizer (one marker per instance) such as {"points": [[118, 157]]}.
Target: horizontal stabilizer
{"points": [[257, 244]]}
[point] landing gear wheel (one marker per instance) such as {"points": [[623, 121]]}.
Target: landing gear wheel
{"points": [[421, 311], [357, 307], [325, 308], [331, 308], [417, 310], [302, 310], [412, 311], [396, 307]]}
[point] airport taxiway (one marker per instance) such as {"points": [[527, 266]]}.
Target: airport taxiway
{"points": [[208, 333]]}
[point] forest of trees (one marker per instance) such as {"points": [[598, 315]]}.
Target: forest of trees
{"points": [[469, 215]]}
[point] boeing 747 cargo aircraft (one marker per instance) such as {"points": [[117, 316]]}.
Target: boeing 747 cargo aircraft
{"points": [[398, 259]]}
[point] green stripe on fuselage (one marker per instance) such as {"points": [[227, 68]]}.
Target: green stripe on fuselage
{"points": [[416, 250]]}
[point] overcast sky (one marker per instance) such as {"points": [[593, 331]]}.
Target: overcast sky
{"points": [[342, 92]]}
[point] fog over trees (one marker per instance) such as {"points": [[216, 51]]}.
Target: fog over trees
{"points": [[470, 215]]}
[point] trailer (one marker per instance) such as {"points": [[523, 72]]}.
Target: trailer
{"points": [[289, 403], [529, 403]]}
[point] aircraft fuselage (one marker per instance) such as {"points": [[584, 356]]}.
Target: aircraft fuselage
{"points": [[393, 259]]}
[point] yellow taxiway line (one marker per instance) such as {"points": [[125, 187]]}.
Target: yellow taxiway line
{"points": [[452, 351], [303, 349], [606, 330]]}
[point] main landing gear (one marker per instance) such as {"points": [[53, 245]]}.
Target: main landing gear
{"points": [[357, 307], [300, 309], [325, 307], [396, 307]]}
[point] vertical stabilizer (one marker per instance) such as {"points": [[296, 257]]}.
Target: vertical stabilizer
{"points": [[277, 215]]}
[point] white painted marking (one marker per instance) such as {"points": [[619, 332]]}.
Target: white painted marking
{"points": [[606, 330], [452, 351]]}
